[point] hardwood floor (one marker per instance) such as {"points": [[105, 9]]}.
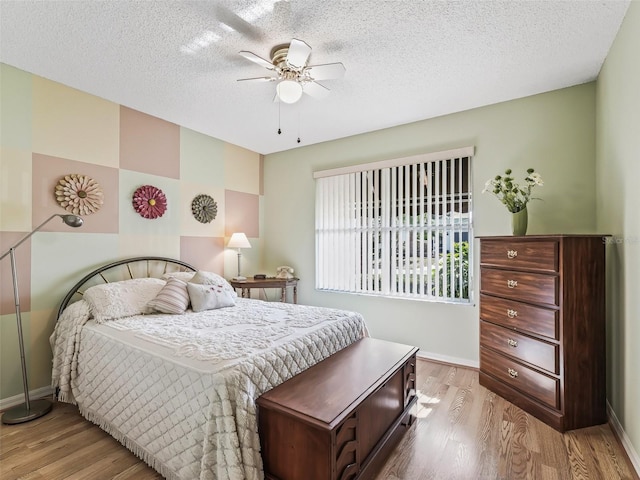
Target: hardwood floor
{"points": [[463, 432]]}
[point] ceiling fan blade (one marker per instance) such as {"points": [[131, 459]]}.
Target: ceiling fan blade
{"points": [[315, 90], [256, 59], [257, 79], [298, 53], [326, 71]]}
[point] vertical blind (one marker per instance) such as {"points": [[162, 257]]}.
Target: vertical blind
{"points": [[397, 228]]}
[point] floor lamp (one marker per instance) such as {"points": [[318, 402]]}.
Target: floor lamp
{"points": [[29, 410]]}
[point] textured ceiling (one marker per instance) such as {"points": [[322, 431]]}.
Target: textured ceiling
{"points": [[405, 60]]}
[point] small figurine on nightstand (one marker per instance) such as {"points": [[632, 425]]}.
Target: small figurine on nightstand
{"points": [[284, 272]]}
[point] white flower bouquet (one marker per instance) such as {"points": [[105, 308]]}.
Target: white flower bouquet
{"points": [[511, 193]]}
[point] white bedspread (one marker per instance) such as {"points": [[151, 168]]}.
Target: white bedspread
{"points": [[179, 390]]}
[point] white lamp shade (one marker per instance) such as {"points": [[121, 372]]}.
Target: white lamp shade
{"points": [[289, 91], [239, 240]]}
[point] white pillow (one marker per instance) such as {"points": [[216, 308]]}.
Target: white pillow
{"points": [[122, 299], [210, 278], [209, 297], [184, 276], [173, 298]]}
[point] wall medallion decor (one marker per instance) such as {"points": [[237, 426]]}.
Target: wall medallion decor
{"points": [[204, 208], [149, 201], [79, 194]]}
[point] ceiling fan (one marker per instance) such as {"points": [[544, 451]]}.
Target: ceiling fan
{"points": [[289, 66]]}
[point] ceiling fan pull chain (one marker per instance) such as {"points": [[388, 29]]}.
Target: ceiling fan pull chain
{"points": [[279, 131], [298, 124]]}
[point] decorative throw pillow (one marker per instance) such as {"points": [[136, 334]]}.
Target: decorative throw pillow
{"points": [[122, 299], [184, 276], [173, 298], [210, 278], [209, 297]]}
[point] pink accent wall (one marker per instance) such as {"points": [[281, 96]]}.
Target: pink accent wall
{"points": [[47, 171], [204, 253], [149, 144], [242, 213]]}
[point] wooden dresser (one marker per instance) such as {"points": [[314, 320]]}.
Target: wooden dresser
{"points": [[542, 326], [339, 419]]}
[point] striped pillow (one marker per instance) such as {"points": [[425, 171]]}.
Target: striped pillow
{"points": [[173, 298]]}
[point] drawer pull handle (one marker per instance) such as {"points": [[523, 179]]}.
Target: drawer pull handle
{"points": [[512, 283], [512, 373], [512, 313], [512, 253], [512, 343]]}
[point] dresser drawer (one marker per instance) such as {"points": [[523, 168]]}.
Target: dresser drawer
{"points": [[528, 287], [520, 254], [536, 352], [541, 387], [520, 316]]}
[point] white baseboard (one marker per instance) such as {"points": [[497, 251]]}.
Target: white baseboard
{"points": [[463, 362], [18, 399], [624, 439]]}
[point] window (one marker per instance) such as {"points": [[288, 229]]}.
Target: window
{"points": [[398, 228]]}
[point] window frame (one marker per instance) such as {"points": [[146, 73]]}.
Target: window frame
{"points": [[342, 235]]}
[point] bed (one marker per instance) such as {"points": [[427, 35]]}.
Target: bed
{"points": [[179, 389]]}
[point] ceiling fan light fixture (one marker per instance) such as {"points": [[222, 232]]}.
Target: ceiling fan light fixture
{"points": [[289, 91]]}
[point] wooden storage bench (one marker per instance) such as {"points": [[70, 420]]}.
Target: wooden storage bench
{"points": [[339, 419]]}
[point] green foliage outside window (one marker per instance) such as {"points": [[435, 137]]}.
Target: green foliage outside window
{"points": [[459, 257]]}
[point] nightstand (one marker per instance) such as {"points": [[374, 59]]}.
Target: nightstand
{"points": [[245, 286]]}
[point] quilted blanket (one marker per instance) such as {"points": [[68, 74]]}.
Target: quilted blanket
{"points": [[179, 390]]}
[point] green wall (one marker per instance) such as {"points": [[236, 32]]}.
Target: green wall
{"points": [[618, 213], [552, 132]]}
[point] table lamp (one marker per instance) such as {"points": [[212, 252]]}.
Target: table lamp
{"points": [[239, 241]]}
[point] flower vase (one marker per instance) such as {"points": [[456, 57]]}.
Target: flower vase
{"points": [[519, 222]]}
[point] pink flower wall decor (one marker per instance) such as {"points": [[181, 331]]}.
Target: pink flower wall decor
{"points": [[149, 201]]}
